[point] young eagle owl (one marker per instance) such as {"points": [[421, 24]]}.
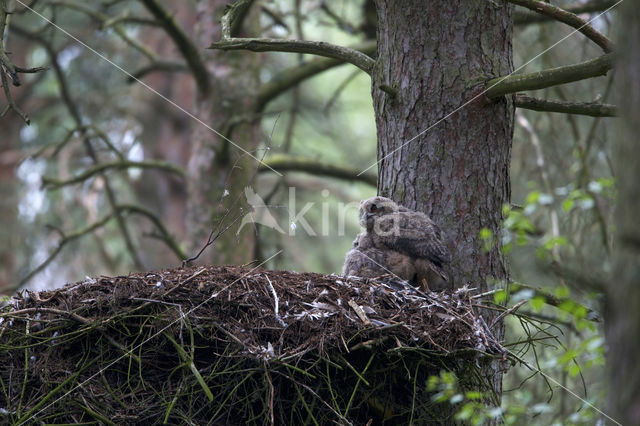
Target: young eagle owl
{"points": [[365, 260], [398, 236]]}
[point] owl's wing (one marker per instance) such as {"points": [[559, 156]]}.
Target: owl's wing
{"points": [[414, 234], [365, 264]]}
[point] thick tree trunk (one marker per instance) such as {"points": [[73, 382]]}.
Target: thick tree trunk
{"points": [[435, 56], [437, 153], [216, 167], [623, 298]]}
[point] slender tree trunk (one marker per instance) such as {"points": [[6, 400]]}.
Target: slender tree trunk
{"points": [[437, 153], [216, 167], [623, 298]]}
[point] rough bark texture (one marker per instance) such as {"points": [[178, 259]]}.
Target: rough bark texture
{"points": [[215, 165], [623, 299], [435, 57]]}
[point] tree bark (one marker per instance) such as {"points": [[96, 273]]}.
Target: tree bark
{"points": [[622, 316], [433, 57], [216, 166]]}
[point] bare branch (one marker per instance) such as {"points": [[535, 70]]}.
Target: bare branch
{"points": [[298, 164], [10, 103], [189, 51], [593, 109], [319, 48], [106, 21], [526, 18], [165, 236], [568, 18], [167, 66], [546, 78], [7, 67], [294, 75], [552, 300], [100, 168], [77, 118], [65, 240]]}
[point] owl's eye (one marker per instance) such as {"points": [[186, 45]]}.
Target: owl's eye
{"points": [[373, 208]]}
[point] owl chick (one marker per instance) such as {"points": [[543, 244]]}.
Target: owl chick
{"points": [[365, 260], [392, 227]]}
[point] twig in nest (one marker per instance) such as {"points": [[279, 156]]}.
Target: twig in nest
{"points": [[275, 301], [507, 312], [360, 312]]}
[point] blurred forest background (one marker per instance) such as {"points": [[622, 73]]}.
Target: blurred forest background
{"points": [[65, 215]]}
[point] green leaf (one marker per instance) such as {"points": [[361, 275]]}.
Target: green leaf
{"points": [[532, 197], [562, 292], [567, 204], [556, 241], [537, 302], [579, 312], [500, 297], [574, 370], [474, 395], [569, 355], [465, 412], [567, 305], [485, 234]]}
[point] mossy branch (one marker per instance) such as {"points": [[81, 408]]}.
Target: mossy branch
{"points": [[501, 86], [593, 109], [289, 163], [233, 17], [319, 48]]}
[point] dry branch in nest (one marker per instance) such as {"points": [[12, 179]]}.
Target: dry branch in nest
{"points": [[227, 345]]}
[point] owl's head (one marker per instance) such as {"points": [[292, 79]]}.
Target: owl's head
{"points": [[375, 207]]}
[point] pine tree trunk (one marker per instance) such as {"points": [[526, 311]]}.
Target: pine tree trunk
{"points": [[441, 149], [622, 317], [216, 167], [435, 56]]}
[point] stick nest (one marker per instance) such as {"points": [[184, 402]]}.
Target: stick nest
{"points": [[228, 345]]}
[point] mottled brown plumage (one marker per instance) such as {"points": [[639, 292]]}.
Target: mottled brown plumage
{"points": [[365, 260], [399, 236]]}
